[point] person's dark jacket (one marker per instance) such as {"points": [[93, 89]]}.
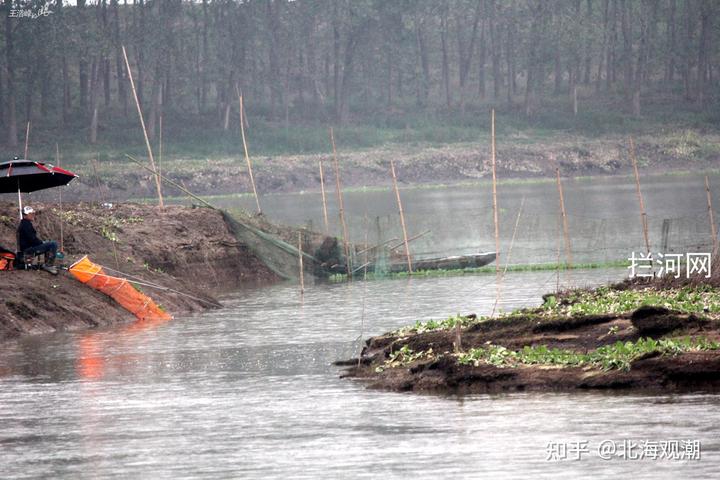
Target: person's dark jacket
{"points": [[27, 237]]}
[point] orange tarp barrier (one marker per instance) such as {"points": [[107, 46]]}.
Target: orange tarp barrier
{"points": [[119, 289]]}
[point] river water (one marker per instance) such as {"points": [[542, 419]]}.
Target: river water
{"points": [[603, 216], [249, 392]]}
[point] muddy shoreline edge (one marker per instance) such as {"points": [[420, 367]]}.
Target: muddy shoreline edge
{"points": [[648, 348], [189, 250]]}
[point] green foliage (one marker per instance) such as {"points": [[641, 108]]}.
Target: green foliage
{"points": [[485, 270], [433, 325], [604, 300], [617, 356], [403, 357]]}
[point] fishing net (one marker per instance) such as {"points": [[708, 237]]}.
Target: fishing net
{"points": [[119, 289], [277, 254]]}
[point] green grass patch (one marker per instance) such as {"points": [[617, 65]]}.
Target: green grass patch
{"points": [[617, 356], [701, 299], [482, 270]]}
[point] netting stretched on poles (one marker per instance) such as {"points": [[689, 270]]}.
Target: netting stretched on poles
{"points": [[278, 255]]}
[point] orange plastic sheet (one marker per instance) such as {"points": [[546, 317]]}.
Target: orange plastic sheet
{"points": [[119, 289]]}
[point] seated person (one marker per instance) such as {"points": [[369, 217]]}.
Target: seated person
{"points": [[31, 245]]}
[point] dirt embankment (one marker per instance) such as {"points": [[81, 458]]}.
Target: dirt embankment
{"points": [[697, 370], [516, 158], [185, 249]]}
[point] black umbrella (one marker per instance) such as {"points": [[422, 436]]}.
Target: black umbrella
{"points": [[28, 176]]}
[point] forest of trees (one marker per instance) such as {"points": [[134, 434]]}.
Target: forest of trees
{"points": [[335, 61]]}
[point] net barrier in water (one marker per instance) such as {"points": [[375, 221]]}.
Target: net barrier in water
{"points": [[119, 289], [278, 255]]}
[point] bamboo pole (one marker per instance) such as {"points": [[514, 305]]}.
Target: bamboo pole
{"points": [[507, 259], [142, 124], [643, 215], [160, 149], [27, 139], [324, 199], [566, 234], [494, 193], [402, 216], [373, 247], [245, 148], [712, 217], [60, 202], [302, 270], [411, 239], [341, 207]]}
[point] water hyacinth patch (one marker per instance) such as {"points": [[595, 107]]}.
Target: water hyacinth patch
{"points": [[403, 357], [617, 356], [700, 299]]}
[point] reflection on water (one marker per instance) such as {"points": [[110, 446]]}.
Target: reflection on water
{"points": [[249, 392]]}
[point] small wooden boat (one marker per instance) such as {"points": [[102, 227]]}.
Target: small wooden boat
{"points": [[457, 262]]}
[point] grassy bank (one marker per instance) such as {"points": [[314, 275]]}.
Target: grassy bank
{"points": [[636, 336], [488, 269], [681, 127]]}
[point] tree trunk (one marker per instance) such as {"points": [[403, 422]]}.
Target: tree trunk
{"points": [[465, 53], [670, 46], [558, 69], [641, 62], [626, 25], [336, 59], [482, 59], [687, 50], [119, 67], [510, 55], [2, 98], [445, 62], [354, 36], [703, 48], [611, 63], [82, 64], [588, 44], [11, 123], [603, 51], [532, 61], [496, 49], [12, 139], [424, 60], [95, 75]]}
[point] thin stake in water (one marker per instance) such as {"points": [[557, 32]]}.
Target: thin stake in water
{"points": [[245, 148], [494, 193], [402, 216], [302, 270], [324, 199], [338, 191], [507, 259], [643, 215], [712, 217], [566, 234]]}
